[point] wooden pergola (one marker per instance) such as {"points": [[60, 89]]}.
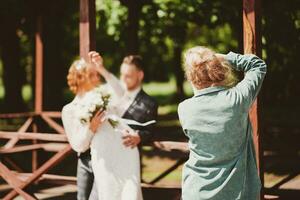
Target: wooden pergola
{"points": [[57, 142]]}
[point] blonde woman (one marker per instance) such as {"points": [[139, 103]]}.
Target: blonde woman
{"points": [[116, 168], [222, 164]]}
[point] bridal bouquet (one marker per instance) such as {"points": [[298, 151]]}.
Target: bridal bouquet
{"points": [[97, 100]]}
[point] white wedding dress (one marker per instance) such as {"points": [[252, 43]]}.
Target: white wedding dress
{"points": [[116, 167]]}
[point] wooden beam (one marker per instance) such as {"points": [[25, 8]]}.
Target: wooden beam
{"points": [[170, 146], [87, 27], [34, 136], [252, 44], [14, 182], [40, 171], [53, 124], [38, 66], [23, 128], [52, 114], [51, 178], [51, 147], [34, 154], [21, 148], [16, 115]]}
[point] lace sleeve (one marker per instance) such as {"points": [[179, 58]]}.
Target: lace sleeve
{"points": [[78, 134]]}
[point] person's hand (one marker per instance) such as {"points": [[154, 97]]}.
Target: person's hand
{"points": [[131, 138], [219, 55], [97, 120], [97, 60]]}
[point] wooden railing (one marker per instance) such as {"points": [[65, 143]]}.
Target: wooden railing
{"points": [[36, 140]]}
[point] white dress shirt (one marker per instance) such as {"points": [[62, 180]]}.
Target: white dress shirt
{"points": [[126, 97]]}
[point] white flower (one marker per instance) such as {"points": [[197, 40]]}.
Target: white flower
{"points": [[92, 108], [80, 64]]}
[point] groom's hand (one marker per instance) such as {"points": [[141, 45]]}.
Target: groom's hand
{"points": [[131, 138]]}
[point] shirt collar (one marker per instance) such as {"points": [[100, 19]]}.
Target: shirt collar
{"points": [[133, 93], [208, 90]]}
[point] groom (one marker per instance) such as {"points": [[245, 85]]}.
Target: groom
{"points": [[139, 107]]}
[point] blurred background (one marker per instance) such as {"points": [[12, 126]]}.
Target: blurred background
{"points": [[160, 31]]}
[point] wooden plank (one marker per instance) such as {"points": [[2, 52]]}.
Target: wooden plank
{"points": [[21, 148], [58, 179], [170, 146], [52, 114], [51, 147], [34, 157], [23, 128], [42, 170], [17, 115], [50, 178], [53, 124], [34, 136], [11, 179], [38, 67], [87, 27], [54, 147]]}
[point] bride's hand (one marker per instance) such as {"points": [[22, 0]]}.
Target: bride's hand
{"points": [[97, 120]]}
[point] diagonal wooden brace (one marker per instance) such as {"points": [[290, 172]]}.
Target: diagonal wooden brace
{"points": [[40, 171], [53, 124], [14, 182], [23, 128]]}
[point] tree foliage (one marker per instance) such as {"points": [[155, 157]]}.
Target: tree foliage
{"points": [[159, 30]]}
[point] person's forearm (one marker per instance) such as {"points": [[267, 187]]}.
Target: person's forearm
{"points": [[105, 73], [246, 62], [112, 81]]}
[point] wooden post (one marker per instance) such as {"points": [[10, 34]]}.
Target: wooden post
{"points": [[87, 27], [252, 44], [34, 164], [38, 66]]}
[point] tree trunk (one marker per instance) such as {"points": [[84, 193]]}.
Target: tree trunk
{"points": [[179, 75], [134, 10], [13, 75], [54, 65]]}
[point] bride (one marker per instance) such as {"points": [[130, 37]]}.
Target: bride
{"points": [[116, 167]]}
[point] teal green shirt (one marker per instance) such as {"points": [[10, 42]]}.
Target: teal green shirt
{"points": [[221, 164]]}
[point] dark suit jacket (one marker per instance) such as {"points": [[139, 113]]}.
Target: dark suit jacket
{"points": [[142, 109]]}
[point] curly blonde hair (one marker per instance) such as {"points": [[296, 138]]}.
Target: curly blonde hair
{"points": [[204, 69], [78, 74]]}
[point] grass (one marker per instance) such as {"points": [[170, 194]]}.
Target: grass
{"points": [[155, 165], [164, 94]]}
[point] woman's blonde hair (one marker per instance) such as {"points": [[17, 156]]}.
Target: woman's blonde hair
{"points": [[78, 74], [204, 69]]}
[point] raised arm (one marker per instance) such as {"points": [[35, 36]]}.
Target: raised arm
{"points": [[255, 70], [97, 60]]}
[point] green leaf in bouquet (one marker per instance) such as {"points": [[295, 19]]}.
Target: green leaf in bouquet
{"points": [[113, 123]]}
